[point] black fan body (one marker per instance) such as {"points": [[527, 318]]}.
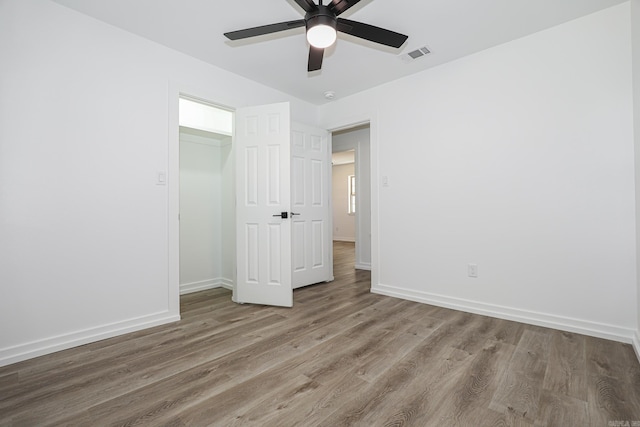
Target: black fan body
{"points": [[317, 14]]}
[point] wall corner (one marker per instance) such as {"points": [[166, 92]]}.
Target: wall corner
{"points": [[635, 65]]}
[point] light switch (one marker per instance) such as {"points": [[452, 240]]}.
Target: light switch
{"points": [[472, 270], [161, 178]]}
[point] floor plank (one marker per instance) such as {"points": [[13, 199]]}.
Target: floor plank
{"points": [[566, 370], [341, 356]]}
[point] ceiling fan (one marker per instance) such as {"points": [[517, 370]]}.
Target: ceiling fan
{"points": [[322, 23]]}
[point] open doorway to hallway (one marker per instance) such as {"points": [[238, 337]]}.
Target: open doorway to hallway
{"points": [[352, 192]]}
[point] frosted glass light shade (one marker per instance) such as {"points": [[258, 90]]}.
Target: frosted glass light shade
{"points": [[321, 36]]}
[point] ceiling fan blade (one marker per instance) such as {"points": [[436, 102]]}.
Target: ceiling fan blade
{"points": [[340, 6], [307, 5], [264, 29], [371, 33], [315, 58]]}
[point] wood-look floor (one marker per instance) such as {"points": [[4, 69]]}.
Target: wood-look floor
{"points": [[342, 356]]}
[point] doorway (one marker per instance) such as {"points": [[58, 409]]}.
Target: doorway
{"points": [[352, 196], [259, 173], [206, 197]]}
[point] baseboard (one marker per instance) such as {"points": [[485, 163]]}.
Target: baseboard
{"points": [[344, 239], [363, 266], [226, 283], [62, 342], [594, 329], [218, 282], [636, 344]]}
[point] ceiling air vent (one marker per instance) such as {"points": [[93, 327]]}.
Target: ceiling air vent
{"points": [[415, 54]]}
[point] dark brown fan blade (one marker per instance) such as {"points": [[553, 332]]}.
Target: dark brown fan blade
{"points": [[371, 33], [264, 29], [307, 5], [340, 6], [315, 58]]}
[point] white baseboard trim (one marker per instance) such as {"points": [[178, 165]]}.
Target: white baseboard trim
{"points": [[203, 285], [600, 330], [344, 239], [226, 283], [33, 349], [636, 344], [363, 266]]}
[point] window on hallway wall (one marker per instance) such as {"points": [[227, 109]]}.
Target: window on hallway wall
{"points": [[351, 186]]}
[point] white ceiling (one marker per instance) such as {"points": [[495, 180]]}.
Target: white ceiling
{"points": [[450, 28]]}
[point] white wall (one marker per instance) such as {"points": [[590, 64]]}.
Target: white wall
{"points": [[344, 224], [635, 28], [358, 139], [520, 159], [83, 133]]}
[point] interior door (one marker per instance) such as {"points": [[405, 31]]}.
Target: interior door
{"points": [[263, 224], [311, 205]]}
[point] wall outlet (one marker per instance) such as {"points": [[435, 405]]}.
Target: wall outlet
{"points": [[472, 270]]}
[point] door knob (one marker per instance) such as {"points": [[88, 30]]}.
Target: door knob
{"points": [[293, 213], [283, 215]]}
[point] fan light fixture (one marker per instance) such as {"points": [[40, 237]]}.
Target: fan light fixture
{"points": [[321, 27], [322, 23], [321, 36]]}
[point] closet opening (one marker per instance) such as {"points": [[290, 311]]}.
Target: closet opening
{"points": [[207, 200]]}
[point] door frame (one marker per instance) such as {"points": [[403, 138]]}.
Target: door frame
{"points": [[177, 90], [345, 123]]}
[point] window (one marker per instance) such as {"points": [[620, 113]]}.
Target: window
{"points": [[351, 185]]}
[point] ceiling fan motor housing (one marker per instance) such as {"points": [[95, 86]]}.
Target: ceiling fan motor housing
{"points": [[321, 16]]}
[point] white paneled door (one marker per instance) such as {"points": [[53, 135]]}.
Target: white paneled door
{"points": [[283, 211], [312, 247], [263, 224]]}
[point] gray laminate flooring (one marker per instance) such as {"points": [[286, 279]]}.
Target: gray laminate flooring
{"points": [[342, 356]]}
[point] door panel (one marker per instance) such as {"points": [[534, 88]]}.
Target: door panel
{"points": [[262, 144], [311, 193], [298, 236], [318, 231], [252, 253]]}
